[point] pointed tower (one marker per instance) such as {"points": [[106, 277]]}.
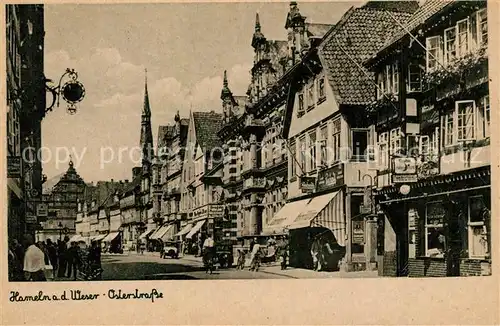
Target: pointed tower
{"points": [[146, 131], [227, 99], [258, 38], [295, 25]]}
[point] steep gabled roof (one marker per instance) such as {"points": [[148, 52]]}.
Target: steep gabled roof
{"points": [[428, 10], [359, 33], [206, 125], [51, 183], [318, 30]]}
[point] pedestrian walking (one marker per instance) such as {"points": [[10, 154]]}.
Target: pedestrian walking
{"points": [[34, 261], [73, 260], [62, 253], [52, 252], [94, 260], [255, 257], [16, 258], [142, 247]]}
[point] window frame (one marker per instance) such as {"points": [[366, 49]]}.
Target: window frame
{"points": [[427, 226], [479, 34], [363, 157], [311, 102], [335, 139], [383, 140], [438, 58], [321, 89], [471, 226], [473, 127], [293, 156]]}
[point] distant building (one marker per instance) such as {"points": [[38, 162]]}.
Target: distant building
{"points": [[62, 194]]}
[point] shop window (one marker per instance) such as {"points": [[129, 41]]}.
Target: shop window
{"points": [[478, 244], [435, 242]]}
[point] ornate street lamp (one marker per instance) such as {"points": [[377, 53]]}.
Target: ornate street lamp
{"points": [[72, 91]]}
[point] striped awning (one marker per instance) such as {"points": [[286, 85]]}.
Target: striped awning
{"points": [[285, 216], [145, 234], [110, 237], [98, 237], [167, 233], [324, 211], [76, 238], [195, 229], [185, 230]]}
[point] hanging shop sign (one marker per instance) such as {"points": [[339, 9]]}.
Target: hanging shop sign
{"points": [[331, 177], [13, 166], [358, 232], [42, 210], [216, 211], [404, 170], [307, 184]]}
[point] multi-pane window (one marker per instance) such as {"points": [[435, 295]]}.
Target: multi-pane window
{"points": [[415, 73], [323, 145], [388, 80], [312, 150], [395, 137], [429, 146], [302, 149], [478, 245], [335, 141], [359, 144], [293, 158], [450, 47], [482, 27], [433, 53], [301, 109], [463, 37], [458, 40], [383, 150], [465, 120], [484, 115], [435, 243]]}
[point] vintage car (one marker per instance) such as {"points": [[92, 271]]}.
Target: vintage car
{"points": [[170, 249]]}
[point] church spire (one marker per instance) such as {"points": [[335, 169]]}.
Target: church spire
{"points": [[258, 37], [146, 110], [225, 88], [146, 141]]}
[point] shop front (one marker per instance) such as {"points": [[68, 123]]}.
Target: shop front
{"points": [[440, 228]]}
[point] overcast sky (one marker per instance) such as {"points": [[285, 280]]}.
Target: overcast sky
{"points": [[185, 48]]}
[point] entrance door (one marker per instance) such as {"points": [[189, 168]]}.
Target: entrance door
{"points": [[401, 227]]}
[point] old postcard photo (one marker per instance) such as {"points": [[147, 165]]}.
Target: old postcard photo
{"points": [[226, 141]]}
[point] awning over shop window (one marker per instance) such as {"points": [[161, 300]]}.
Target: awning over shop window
{"points": [[285, 216], [185, 230], [98, 237], [324, 211], [76, 238], [110, 237], [195, 229], [167, 234], [154, 235], [145, 234]]}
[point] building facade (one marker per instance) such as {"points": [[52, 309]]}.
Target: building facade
{"points": [[25, 92], [255, 177], [200, 199], [62, 194], [432, 118]]}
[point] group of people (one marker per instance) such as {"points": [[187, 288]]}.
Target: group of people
{"points": [[42, 260], [274, 251]]}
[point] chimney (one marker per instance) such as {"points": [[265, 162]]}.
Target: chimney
{"points": [[136, 171], [112, 180], [126, 180]]}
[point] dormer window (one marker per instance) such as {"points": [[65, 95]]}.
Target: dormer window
{"points": [[310, 96]]}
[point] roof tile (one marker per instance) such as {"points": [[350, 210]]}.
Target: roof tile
{"points": [[206, 125]]}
